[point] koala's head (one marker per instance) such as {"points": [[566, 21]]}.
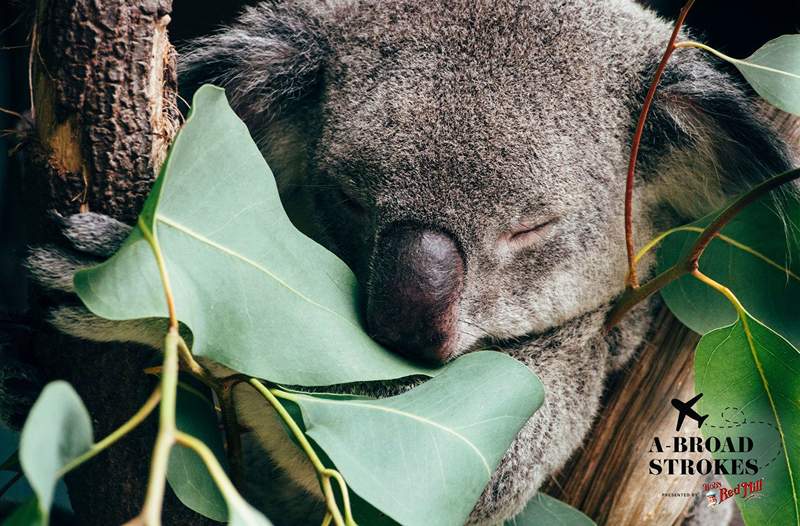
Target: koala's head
{"points": [[467, 159]]}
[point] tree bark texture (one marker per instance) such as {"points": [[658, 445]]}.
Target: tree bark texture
{"points": [[104, 106]]}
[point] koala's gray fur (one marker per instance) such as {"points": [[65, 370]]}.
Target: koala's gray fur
{"points": [[472, 116]]}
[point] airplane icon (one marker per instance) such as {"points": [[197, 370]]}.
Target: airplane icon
{"points": [[685, 408]]}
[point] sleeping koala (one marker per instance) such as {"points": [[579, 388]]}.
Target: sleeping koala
{"points": [[466, 158]]}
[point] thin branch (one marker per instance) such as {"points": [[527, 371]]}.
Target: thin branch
{"points": [[325, 473], [733, 210], [115, 435], [151, 511], [633, 281], [162, 270], [689, 263], [632, 297], [216, 471]]}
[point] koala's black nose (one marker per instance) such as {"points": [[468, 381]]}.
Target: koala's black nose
{"points": [[415, 286]]}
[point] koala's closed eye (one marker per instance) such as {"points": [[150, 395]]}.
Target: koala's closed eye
{"points": [[528, 233]]}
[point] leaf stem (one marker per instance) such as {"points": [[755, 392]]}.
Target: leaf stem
{"points": [[698, 45], [324, 473], [744, 317], [690, 263], [733, 210], [162, 271], [722, 289], [224, 392], [151, 511], [216, 471], [633, 281], [115, 435], [653, 243], [631, 297]]}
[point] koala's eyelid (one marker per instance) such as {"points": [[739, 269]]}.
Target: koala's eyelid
{"points": [[526, 225], [528, 233]]}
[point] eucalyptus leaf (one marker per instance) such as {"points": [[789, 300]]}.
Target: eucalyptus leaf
{"points": [[749, 376], [425, 456], [243, 514], [259, 296], [757, 257], [58, 430], [187, 473], [774, 72], [544, 509]]}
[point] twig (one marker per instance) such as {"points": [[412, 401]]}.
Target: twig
{"points": [[631, 297], [34, 36], [633, 281], [151, 511], [733, 210], [689, 263], [162, 271], [115, 435], [325, 473], [226, 487]]}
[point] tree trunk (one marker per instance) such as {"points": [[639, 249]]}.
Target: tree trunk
{"points": [[104, 107]]}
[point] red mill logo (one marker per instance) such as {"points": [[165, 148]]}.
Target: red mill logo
{"points": [[715, 493]]}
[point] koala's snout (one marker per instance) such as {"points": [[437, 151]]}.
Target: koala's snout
{"points": [[415, 287]]}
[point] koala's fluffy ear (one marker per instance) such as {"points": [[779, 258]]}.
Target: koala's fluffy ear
{"points": [[707, 138], [270, 62]]}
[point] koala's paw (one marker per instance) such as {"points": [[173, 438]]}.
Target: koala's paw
{"points": [[91, 237]]}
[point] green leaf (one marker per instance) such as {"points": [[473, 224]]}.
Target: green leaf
{"points": [[243, 514], [749, 375], [258, 295], [58, 429], [27, 514], [544, 509], [758, 259], [186, 473], [774, 72], [425, 456]]}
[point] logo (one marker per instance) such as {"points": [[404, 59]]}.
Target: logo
{"points": [[715, 493], [685, 409], [732, 447]]}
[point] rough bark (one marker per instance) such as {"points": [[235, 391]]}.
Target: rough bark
{"points": [[104, 107]]}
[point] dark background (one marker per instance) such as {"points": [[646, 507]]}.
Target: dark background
{"points": [[736, 27]]}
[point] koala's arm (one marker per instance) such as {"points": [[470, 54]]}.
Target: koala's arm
{"points": [[91, 238]]}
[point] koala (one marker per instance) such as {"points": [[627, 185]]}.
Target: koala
{"points": [[466, 158]]}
